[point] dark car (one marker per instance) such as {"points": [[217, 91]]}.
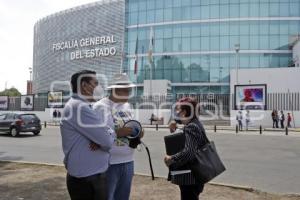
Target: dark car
{"points": [[16, 123]]}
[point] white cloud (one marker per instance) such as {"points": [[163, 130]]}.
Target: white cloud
{"points": [[17, 18]]}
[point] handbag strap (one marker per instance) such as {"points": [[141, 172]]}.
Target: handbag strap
{"points": [[206, 138], [203, 133]]}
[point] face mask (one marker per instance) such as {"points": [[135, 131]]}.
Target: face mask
{"points": [[178, 121], [177, 118], [98, 93]]}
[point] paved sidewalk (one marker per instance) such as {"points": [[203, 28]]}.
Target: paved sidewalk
{"points": [[269, 162]]}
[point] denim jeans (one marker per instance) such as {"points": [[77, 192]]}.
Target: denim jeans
{"points": [[240, 125], [119, 178]]}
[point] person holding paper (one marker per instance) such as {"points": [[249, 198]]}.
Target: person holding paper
{"points": [[186, 114]]}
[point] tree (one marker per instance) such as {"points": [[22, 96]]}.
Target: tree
{"points": [[12, 92]]}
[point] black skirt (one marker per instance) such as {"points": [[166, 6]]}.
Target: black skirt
{"points": [[181, 176]]}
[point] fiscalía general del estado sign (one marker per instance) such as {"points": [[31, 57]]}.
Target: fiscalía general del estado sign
{"points": [[82, 47]]}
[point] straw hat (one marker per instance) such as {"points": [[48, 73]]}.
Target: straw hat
{"points": [[121, 81]]}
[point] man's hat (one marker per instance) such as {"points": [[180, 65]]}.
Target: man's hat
{"points": [[121, 81]]}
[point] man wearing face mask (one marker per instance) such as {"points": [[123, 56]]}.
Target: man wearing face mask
{"points": [[118, 111], [86, 178]]}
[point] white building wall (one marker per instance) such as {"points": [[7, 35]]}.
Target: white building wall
{"points": [[296, 53], [43, 115], [278, 80], [159, 87]]}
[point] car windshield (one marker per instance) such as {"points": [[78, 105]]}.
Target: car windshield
{"points": [[28, 117], [2, 117]]}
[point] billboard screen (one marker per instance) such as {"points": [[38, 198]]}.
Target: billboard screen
{"points": [[27, 102], [55, 99], [250, 97], [3, 102]]}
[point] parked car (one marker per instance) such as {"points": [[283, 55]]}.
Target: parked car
{"points": [[16, 123]]}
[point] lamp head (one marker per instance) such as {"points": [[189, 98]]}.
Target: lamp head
{"points": [[237, 47]]}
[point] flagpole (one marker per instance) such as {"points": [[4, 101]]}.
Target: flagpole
{"points": [[151, 80], [136, 58], [136, 64], [136, 88], [142, 61], [150, 57], [122, 47]]}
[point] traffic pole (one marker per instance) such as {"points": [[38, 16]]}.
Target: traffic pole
{"points": [[260, 129]]}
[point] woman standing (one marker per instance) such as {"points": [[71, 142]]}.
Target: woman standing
{"points": [[186, 114]]}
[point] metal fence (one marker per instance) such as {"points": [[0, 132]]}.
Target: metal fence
{"points": [[39, 103], [281, 101], [215, 103], [209, 102]]}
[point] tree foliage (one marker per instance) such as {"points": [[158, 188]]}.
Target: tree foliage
{"points": [[12, 92]]}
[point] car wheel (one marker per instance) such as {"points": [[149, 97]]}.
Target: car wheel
{"points": [[14, 132], [36, 132]]}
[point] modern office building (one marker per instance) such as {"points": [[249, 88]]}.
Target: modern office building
{"points": [[196, 42], [84, 37]]}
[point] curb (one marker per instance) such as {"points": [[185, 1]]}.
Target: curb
{"points": [[32, 163], [249, 189], [221, 128], [233, 186], [240, 187]]}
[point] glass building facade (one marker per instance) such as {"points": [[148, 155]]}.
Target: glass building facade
{"points": [[194, 40]]}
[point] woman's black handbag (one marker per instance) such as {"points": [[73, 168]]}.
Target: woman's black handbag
{"points": [[208, 164]]}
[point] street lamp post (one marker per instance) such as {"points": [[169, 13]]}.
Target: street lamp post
{"points": [[30, 73], [237, 50], [220, 74], [30, 81]]}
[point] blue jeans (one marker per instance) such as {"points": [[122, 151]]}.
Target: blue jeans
{"points": [[119, 178]]}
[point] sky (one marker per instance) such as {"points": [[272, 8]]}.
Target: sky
{"points": [[17, 18]]}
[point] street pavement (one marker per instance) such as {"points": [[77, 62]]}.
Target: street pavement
{"points": [[268, 162]]}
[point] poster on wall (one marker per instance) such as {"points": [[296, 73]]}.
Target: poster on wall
{"points": [[55, 99], [27, 102], [3, 102], [250, 97]]}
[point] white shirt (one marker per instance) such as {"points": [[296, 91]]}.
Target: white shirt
{"points": [[248, 117], [239, 117], [116, 115]]}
